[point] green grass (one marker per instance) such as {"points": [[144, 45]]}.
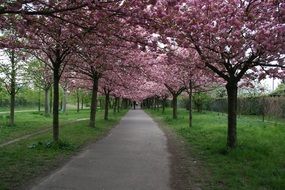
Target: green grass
{"points": [[257, 163], [19, 108], [29, 122], [23, 161]]}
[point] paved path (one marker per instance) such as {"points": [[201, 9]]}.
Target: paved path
{"points": [[132, 157]]}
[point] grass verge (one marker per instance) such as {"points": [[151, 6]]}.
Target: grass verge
{"points": [[29, 122], [257, 163], [22, 162]]}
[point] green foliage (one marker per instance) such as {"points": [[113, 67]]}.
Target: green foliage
{"points": [[200, 99], [85, 95], [26, 97], [62, 145], [279, 91], [257, 162]]}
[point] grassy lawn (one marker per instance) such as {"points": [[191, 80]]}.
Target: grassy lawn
{"points": [[21, 162], [29, 122], [20, 108], [257, 163]]}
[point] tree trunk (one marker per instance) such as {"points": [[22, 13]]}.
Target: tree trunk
{"points": [[64, 100], [39, 101], [118, 105], [12, 106], [115, 105], [60, 104], [93, 102], [134, 104], [107, 99], [163, 105], [174, 106], [56, 78], [190, 104], [50, 100], [78, 100], [46, 102], [82, 102], [13, 89], [157, 103], [232, 114]]}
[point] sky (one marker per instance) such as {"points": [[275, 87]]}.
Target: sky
{"points": [[271, 84]]}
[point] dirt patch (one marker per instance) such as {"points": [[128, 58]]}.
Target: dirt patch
{"points": [[187, 172]]}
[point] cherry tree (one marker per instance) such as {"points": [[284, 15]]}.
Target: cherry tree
{"points": [[111, 82], [166, 72], [232, 38], [53, 44], [196, 79]]}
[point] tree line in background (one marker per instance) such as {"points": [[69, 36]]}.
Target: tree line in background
{"points": [[264, 106]]}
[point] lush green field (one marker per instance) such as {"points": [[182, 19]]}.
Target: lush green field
{"points": [[21, 162], [29, 122], [257, 163]]}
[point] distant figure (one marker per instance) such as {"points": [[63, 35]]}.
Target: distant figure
{"points": [[134, 105]]}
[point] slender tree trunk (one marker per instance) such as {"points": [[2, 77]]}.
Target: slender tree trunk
{"points": [[39, 103], [82, 102], [232, 114], [157, 103], [94, 102], [123, 103], [110, 103], [107, 99], [47, 102], [114, 105], [174, 106], [163, 105], [64, 100], [190, 103], [51, 100], [60, 104], [12, 109], [101, 104], [13, 89], [56, 78], [78, 100], [118, 105], [134, 104], [126, 104]]}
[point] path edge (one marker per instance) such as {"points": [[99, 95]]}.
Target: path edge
{"points": [[187, 171]]}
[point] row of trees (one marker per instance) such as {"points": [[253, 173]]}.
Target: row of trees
{"points": [[143, 49]]}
